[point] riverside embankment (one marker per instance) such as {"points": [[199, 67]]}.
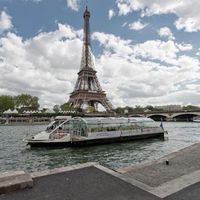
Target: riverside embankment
{"points": [[178, 178]]}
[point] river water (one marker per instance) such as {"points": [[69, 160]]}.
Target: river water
{"points": [[15, 155]]}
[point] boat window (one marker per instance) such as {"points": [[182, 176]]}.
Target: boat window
{"points": [[67, 126], [78, 128], [83, 128], [94, 127], [52, 126], [111, 127], [117, 124], [103, 127], [148, 124], [60, 131]]}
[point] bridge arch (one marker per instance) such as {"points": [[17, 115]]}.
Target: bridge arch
{"points": [[184, 116], [158, 117]]}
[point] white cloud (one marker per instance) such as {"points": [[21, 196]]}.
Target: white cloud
{"points": [[133, 80], [166, 33], [112, 43], [187, 11], [124, 24], [138, 25], [111, 13], [73, 4], [184, 47], [45, 65], [189, 24], [157, 50], [198, 52], [5, 21]]}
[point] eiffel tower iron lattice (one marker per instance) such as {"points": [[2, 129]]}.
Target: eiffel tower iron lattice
{"points": [[87, 88]]}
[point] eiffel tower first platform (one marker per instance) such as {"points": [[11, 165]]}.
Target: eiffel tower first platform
{"points": [[87, 88]]}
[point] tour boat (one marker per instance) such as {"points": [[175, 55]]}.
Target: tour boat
{"points": [[79, 131], [196, 119]]}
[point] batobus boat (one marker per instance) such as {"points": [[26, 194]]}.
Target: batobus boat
{"points": [[90, 131]]}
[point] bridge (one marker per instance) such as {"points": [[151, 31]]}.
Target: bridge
{"points": [[169, 116]]}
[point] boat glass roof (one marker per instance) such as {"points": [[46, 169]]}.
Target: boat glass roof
{"points": [[96, 120]]}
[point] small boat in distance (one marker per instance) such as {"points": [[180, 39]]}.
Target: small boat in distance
{"points": [[90, 131], [196, 119]]}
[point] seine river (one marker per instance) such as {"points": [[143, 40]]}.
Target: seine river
{"points": [[15, 155]]}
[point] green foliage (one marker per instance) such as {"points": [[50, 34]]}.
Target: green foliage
{"points": [[66, 107], [26, 102], [119, 110], [56, 108], [44, 110], [90, 109], [149, 107], [138, 109], [191, 108], [6, 102]]}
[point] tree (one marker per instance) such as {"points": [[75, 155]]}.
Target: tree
{"points": [[130, 109], [90, 109], [6, 102], [44, 110], [191, 108], [149, 107], [56, 108], [26, 102], [119, 110], [66, 107], [138, 109]]}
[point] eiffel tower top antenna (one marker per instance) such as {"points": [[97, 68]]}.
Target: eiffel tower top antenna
{"points": [[86, 17]]}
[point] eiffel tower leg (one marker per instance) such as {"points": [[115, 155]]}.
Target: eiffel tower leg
{"points": [[107, 105], [96, 106]]}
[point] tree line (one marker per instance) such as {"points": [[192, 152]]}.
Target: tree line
{"points": [[27, 102], [20, 102], [149, 108], [24, 102]]}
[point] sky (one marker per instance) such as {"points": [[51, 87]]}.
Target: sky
{"points": [[146, 52]]}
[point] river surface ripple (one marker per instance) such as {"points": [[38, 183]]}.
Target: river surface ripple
{"points": [[15, 155]]}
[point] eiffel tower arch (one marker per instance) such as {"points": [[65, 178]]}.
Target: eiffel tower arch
{"points": [[87, 89]]}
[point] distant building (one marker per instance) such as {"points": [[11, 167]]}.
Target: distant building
{"points": [[170, 107]]}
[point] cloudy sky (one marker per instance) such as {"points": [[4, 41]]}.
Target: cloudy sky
{"points": [[146, 52]]}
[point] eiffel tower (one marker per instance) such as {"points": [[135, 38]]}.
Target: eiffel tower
{"points": [[87, 88]]}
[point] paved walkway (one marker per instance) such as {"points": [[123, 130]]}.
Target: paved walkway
{"points": [[88, 183], [190, 193], [163, 180]]}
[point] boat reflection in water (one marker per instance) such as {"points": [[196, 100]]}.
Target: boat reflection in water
{"points": [[90, 131]]}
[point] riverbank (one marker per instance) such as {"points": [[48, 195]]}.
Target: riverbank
{"points": [[178, 178], [169, 174]]}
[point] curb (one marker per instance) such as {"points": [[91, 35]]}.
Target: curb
{"points": [[13, 181]]}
